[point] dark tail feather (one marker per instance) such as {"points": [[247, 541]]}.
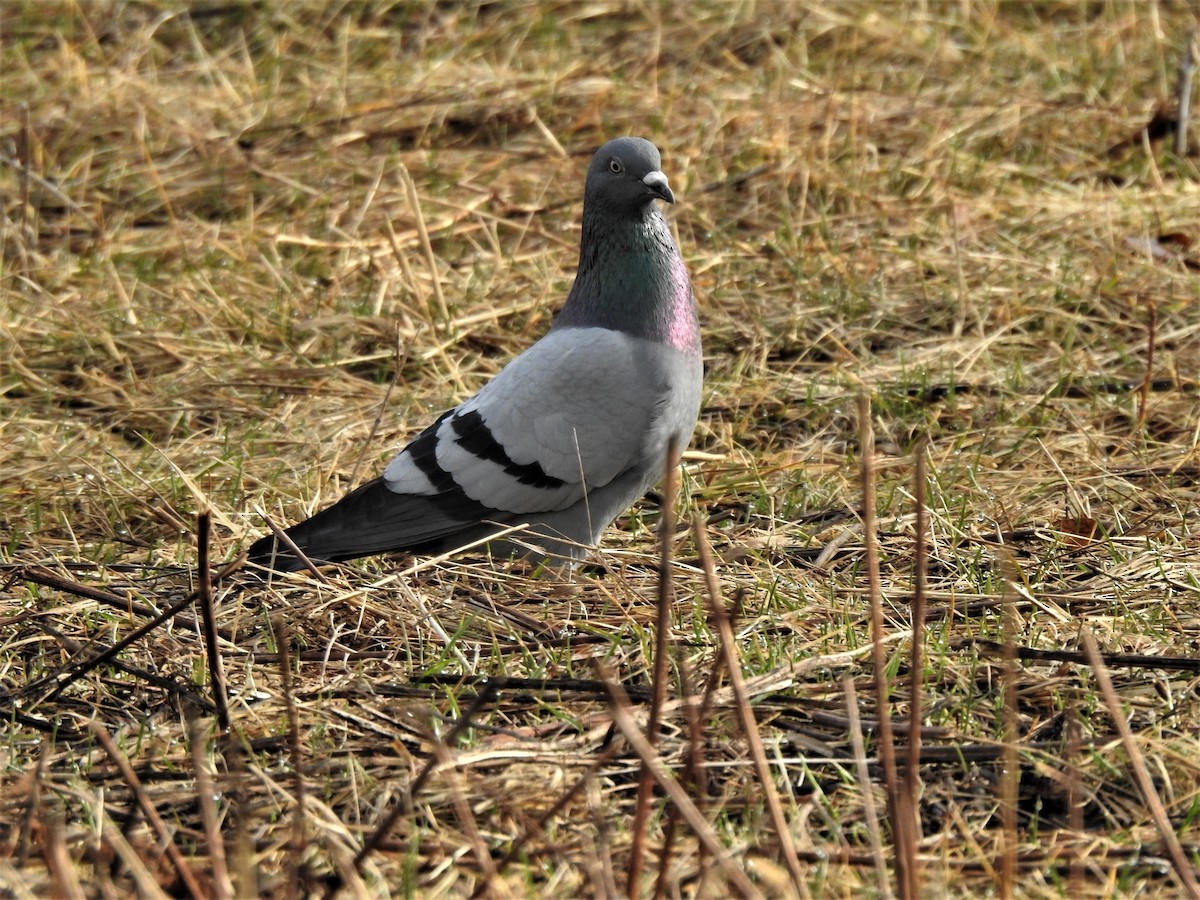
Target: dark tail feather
{"points": [[374, 519]]}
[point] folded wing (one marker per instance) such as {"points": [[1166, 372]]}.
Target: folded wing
{"points": [[564, 418]]}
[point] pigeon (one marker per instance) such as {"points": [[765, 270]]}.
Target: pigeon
{"points": [[570, 432]]}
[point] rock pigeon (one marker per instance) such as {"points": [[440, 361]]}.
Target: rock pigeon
{"points": [[569, 433]]}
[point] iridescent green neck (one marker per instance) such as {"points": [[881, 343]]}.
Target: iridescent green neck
{"points": [[632, 279]]}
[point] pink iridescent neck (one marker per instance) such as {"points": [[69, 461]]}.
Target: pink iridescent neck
{"points": [[682, 328]]}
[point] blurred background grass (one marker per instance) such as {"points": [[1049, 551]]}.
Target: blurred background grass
{"points": [[214, 277]]}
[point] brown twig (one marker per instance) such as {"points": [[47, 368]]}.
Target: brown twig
{"points": [[125, 603], [283, 640], [466, 818], [900, 818], [205, 792], [912, 769], [713, 588], [658, 681], [502, 683], [745, 714], [1124, 660], [58, 857], [693, 712], [1182, 865], [619, 707], [599, 859], [693, 777], [538, 827], [736, 181], [171, 686], [72, 672], [404, 804], [282, 537], [1151, 339], [23, 839], [208, 618], [165, 838], [237, 779], [148, 887], [414, 202], [1010, 774], [865, 784]]}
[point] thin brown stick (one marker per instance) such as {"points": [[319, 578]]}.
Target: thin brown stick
{"points": [[619, 707], [135, 866], [670, 830], [658, 681], [28, 177], [899, 817], [405, 268], [696, 774], [1010, 774], [1148, 378], [282, 537], [404, 803], [466, 818], [165, 838], [124, 602], [539, 826], [745, 714], [693, 777], [72, 672], [298, 842], [666, 590], [244, 872], [864, 779], [1124, 660], [713, 587], [58, 857], [912, 769], [208, 618], [414, 202], [383, 408], [598, 861], [24, 155], [1179, 860], [172, 686], [23, 840], [222, 886]]}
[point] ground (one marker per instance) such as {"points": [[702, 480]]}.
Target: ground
{"points": [[249, 249]]}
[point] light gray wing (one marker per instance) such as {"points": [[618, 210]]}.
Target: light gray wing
{"points": [[565, 417]]}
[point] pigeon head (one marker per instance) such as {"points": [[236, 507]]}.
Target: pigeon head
{"points": [[631, 277], [625, 177]]}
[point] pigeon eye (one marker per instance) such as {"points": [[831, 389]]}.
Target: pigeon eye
{"points": [[614, 166]]}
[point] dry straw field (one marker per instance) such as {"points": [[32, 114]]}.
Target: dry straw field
{"points": [[249, 249]]}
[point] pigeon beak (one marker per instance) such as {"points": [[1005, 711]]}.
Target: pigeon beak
{"points": [[656, 183]]}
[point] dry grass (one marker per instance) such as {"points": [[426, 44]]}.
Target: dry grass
{"points": [[947, 205]]}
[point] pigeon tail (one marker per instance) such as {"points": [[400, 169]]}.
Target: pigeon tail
{"points": [[374, 519]]}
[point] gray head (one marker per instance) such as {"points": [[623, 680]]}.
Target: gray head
{"points": [[624, 178], [631, 277]]}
